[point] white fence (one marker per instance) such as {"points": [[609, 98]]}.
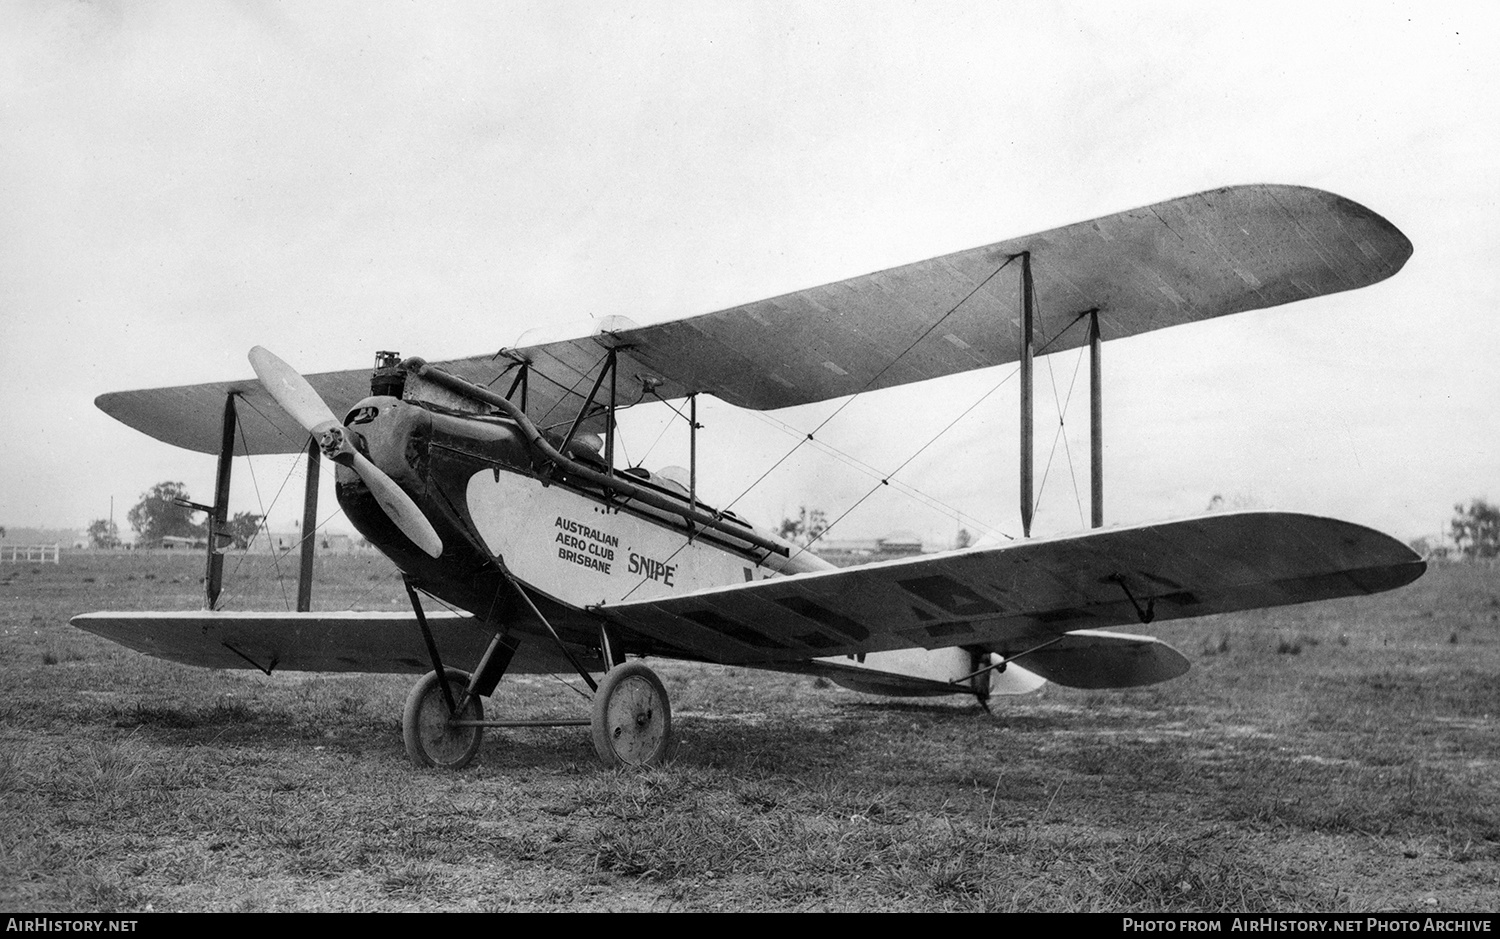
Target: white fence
{"points": [[43, 553]]}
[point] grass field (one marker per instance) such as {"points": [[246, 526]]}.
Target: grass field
{"points": [[1334, 757]]}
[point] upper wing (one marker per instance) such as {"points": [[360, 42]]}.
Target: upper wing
{"points": [[313, 642], [1014, 598], [1175, 262], [1187, 259], [191, 416]]}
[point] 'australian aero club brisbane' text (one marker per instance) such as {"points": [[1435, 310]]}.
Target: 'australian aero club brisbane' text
{"points": [[589, 547]]}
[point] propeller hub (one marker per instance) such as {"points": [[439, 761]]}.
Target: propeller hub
{"points": [[336, 445], [298, 398]]}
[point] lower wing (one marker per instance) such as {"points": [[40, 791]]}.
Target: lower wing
{"points": [[1040, 602], [1027, 596], [313, 642]]}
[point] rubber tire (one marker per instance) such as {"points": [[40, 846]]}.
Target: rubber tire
{"points": [[632, 720], [424, 723]]}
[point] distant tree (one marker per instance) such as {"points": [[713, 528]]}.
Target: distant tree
{"points": [[157, 515], [806, 528], [104, 533], [242, 529], [1476, 529], [1430, 548], [963, 539]]}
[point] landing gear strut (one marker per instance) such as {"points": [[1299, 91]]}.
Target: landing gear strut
{"points": [[443, 723], [631, 723]]}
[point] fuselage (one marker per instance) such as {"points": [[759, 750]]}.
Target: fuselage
{"points": [[504, 511]]}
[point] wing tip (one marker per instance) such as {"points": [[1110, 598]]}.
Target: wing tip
{"points": [[1394, 248]]}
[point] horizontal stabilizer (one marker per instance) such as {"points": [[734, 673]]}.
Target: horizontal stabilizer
{"points": [[1086, 658], [311, 642], [921, 673]]}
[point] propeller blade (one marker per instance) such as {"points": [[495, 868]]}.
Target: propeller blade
{"points": [[291, 391], [398, 505], [299, 399]]}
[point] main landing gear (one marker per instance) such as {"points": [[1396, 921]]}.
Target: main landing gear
{"points": [[631, 723], [443, 723]]}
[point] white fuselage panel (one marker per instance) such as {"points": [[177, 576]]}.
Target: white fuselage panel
{"points": [[584, 551]]}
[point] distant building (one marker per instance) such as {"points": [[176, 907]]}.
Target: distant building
{"points": [[854, 551], [336, 543], [291, 541], [182, 543], [47, 536]]}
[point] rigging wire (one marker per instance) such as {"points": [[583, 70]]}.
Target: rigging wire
{"points": [[889, 365], [264, 525], [666, 426], [371, 585], [904, 463], [265, 514], [570, 391], [265, 528], [620, 442], [1062, 408], [886, 480], [908, 489], [250, 403], [810, 437]]}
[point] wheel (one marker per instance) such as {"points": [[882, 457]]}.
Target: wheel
{"points": [[430, 739], [632, 717]]}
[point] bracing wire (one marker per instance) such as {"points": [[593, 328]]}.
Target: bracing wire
{"points": [[573, 390], [1062, 407], [264, 528], [873, 472], [886, 479], [620, 442], [889, 365], [904, 463], [811, 436], [265, 512], [666, 426]]}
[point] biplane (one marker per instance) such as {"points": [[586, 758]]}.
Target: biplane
{"points": [[510, 508]]}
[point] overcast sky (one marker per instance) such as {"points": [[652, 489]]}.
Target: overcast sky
{"points": [[181, 181]]}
